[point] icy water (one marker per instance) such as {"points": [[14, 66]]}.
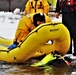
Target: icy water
{"points": [[54, 68]]}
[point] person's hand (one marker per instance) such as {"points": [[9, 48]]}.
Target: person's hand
{"points": [[12, 46], [57, 15]]}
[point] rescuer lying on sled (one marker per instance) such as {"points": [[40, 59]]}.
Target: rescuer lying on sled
{"points": [[26, 25], [43, 33]]}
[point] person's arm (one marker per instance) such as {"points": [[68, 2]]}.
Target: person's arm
{"points": [[58, 6], [46, 6], [27, 8], [21, 32], [57, 12], [22, 29]]}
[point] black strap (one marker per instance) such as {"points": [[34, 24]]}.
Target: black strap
{"points": [[35, 5], [32, 4]]}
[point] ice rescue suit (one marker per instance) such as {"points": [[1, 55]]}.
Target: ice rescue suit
{"points": [[35, 6], [25, 26], [68, 8]]}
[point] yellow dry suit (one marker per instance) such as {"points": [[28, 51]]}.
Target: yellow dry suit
{"points": [[36, 6], [25, 26]]}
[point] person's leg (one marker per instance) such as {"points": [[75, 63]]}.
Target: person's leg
{"points": [[74, 39], [74, 48], [74, 32], [70, 20], [70, 49], [65, 22]]}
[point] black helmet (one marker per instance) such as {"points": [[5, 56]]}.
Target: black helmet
{"points": [[38, 17]]}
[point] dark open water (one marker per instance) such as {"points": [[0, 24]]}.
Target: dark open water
{"points": [[53, 68]]}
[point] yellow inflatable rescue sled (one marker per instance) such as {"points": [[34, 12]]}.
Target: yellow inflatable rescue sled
{"points": [[35, 44]]}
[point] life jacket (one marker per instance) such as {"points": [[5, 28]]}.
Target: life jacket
{"points": [[35, 0], [69, 2]]}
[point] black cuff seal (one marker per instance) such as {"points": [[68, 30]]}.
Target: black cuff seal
{"points": [[15, 42]]}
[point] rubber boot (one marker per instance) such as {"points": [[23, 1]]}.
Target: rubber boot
{"points": [[45, 60]]}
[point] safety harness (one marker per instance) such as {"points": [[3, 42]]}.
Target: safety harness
{"points": [[36, 4]]}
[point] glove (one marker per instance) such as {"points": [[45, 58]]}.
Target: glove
{"points": [[12, 46]]}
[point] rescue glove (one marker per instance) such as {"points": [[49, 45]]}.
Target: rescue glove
{"points": [[12, 46]]}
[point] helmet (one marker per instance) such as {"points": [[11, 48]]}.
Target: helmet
{"points": [[38, 17]]}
